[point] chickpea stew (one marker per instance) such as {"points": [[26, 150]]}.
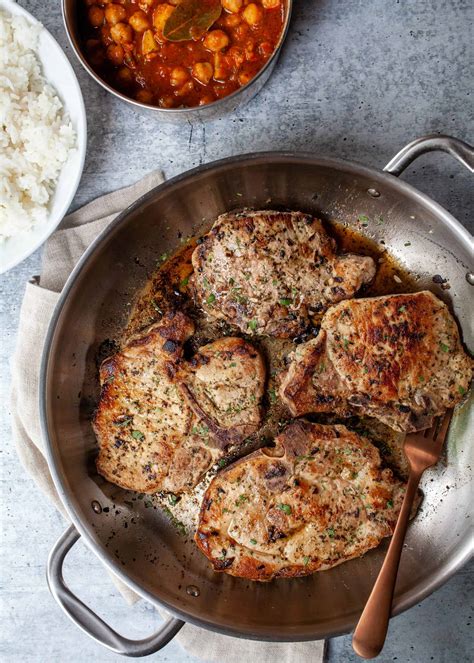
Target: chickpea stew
{"points": [[125, 43]]}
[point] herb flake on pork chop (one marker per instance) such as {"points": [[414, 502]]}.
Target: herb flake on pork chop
{"points": [[268, 272], [318, 498], [153, 421], [397, 358]]}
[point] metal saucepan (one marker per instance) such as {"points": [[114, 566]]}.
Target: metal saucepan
{"points": [[70, 9], [94, 306]]}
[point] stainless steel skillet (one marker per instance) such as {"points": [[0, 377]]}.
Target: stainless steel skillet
{"points": [[148, 554]]}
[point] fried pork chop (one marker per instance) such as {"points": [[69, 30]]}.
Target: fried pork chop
{"points": [[317, 499], [268, 272], [397, 358], [161, 422]]}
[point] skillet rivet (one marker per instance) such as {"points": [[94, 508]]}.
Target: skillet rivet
{"points": [[374, 193], [96, 508], [192, 590], [470, 278]]}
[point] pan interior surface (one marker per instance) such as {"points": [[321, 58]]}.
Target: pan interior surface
{"points": [[137, 541]]}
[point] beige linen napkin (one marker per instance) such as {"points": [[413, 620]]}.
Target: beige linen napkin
{"points": [[61, 253]]}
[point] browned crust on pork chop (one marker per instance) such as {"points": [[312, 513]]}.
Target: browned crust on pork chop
{"points": [[153, 418], [317, 499], [398, 358], [268, 272]]}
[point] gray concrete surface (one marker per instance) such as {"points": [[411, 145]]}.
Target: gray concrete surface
{"points": [[356, 80]]}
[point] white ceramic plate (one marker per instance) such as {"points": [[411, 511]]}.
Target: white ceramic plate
{"points": [[59, 73]]}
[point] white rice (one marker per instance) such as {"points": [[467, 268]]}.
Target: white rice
{"points": [[36, 135]]}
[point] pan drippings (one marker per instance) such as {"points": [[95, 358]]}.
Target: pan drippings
{"points": [[169, 289]]}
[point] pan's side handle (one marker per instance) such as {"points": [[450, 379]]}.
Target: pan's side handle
{"points": [[460, 150], [87, 620]]}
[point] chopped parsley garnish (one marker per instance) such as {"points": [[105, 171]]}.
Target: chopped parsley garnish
{"points": [[421, 378], [241, 499], [402, 309], [201, 430], [363, 218], [138, 435], [346, 343], [222, 462], [330, 532], [407, 244], [253, 542], [389, 504], [306, 560], [253, 325], [285, 301], [232, 365], [286, 508], [461, 390], [211, 298], [184, 282], [179, 526], [274, 282], [272, 395], [444, 347], [173, 499]]}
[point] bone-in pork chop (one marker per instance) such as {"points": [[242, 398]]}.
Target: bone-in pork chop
{"points": [[397, 358], [155, 418], [317, 499], [269, 272]]}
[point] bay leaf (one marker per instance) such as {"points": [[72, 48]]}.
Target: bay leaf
{"points": [[191, 19]]}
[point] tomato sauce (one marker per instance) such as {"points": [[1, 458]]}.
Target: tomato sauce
{"points": [[125, 44]]}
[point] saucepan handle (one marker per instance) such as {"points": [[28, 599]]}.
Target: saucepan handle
{"points": [[460, 150], [87, 620]]}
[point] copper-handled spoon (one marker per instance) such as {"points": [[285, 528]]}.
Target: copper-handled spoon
{"points": [[422, 450]]}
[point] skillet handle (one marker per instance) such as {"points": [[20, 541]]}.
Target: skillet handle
{"points": [[91, 623], [460, 150]]}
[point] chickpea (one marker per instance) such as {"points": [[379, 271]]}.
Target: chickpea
{"points": [[271, 4], [139, 21], [252, 14], [96, 16], [144, 96], [206, 99], [216, 40], [241, 31], [167, 101], [185, 89], [97, 57], [245, 77], [178, 76], [115, 54], [265, 49], [203, 72], [232, 20], [124, 75], [161, 15], [114, 14], [121, 33], [233, 6], [91, 44], [236, 55]]}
